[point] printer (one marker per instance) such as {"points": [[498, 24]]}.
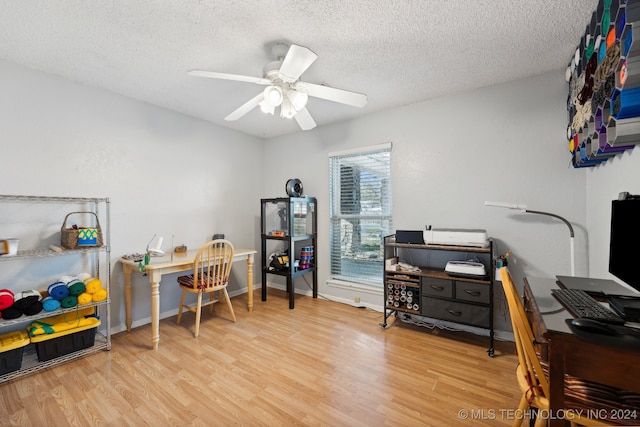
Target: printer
{"points": [[456, 237], [466, 269]]}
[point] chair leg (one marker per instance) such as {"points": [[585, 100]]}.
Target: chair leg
{"points": [[226, 296], [211, 297], [522, 407], [198, 312], [184, 293], [541, 422]]}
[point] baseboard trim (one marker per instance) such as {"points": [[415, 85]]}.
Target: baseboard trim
{"points": [[499, 335], [173, 312]]}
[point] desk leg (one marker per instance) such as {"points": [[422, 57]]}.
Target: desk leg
{"points": [[126, 272], [154, 278], [556, 382], [250, 282]]}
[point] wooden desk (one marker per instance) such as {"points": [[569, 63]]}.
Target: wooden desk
{"points": [[165, 265], [568, 354]]}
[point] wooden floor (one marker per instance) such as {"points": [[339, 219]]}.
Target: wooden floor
{"points": [[321, 364]]}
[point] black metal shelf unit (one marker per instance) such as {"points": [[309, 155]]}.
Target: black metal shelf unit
{"points": [[288, 229], [432, 293]]}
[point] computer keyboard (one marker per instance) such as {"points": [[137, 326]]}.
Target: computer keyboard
{"points": [[581, 304]]}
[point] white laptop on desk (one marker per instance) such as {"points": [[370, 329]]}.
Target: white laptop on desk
{"points": [[607, 286]]}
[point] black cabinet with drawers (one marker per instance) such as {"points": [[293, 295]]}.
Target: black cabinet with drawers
{"points": [[430, 294]]}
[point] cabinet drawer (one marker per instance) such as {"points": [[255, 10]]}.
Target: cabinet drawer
{"points": [[476, 292], [437, 287], [456, 312]]}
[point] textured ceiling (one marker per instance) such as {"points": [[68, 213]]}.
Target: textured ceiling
{"points": [[398, 52]]}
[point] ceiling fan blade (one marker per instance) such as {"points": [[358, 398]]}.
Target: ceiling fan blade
{"points": [[245, 108], [336, 95], [304, 119], [296, 62], [225, 76]]}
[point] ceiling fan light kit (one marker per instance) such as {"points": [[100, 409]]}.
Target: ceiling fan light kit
{"points": [[284, 89], [273, 95], [298, 97], [266, 107], [286, 109]]}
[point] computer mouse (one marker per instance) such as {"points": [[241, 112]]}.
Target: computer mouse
{"points": [[593, 326]]}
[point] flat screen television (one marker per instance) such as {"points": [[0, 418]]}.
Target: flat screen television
{"points": [[624, 245]]}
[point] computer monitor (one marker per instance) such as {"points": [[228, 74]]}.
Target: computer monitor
{"points": [[624, 241]]}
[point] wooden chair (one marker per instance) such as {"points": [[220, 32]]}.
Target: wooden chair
{"points": [[211, 269], [532, 379]]}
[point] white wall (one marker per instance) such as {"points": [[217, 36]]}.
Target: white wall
{"points": [[165, 173], [449, 155], [604, 182], [169, 174]]}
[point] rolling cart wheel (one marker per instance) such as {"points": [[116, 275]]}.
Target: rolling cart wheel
{"points": [[490, 352]]}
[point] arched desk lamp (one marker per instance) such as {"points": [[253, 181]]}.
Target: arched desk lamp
{"points": [[523, 209], [155, 249], [152, 250]]}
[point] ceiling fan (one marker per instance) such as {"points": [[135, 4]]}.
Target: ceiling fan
{"points": [[284, 88]]}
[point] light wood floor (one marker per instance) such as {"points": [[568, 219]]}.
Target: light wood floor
{"points": [[321, 364]]}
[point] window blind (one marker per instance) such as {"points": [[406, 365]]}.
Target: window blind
{"points": [[360, 217]]}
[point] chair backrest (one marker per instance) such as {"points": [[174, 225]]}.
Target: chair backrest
{"points": [[212, 265], [524, 338]]}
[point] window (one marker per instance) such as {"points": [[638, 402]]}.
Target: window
{"points": [[360, 193]]}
